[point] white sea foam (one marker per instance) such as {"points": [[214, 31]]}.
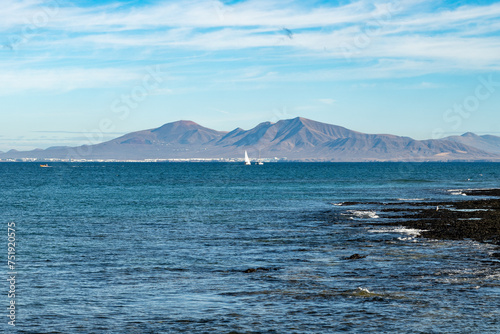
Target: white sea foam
{"points": [[468, 210], [361, 214], [495, 276], [411, 199], [458, 192], [365, 290], [410, 233], [467, 275]]}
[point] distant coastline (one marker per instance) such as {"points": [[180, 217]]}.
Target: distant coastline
{"points": [[297, 139], [235, 160]]}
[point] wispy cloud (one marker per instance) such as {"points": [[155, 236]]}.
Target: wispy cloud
{"points": [[382, 38], [63, 79], [79, 132], [327, 101]]}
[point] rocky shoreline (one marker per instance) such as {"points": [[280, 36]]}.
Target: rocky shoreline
{"points": [[477, 219]]}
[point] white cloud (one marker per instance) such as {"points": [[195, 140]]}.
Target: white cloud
{"points": [[64, 79], [327, 101], [395, 38]]}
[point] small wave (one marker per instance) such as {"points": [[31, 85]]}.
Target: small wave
{"points": [[361, 214], [495, 276], [412, 239], [364, 292], [468, 210], [344, 203], [411, 233], [457, 192], [411, 199]]}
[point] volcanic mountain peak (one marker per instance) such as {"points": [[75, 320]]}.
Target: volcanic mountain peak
{"points": [[296, 139], [470, 134], [177, 126], [181, 127], [181, 132]]}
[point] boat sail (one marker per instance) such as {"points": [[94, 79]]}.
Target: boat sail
{"points": [[259, 162], [247, 160]]}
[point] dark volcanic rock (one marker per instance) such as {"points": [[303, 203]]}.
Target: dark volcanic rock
{"points": [[482, 192], [478, 220]]}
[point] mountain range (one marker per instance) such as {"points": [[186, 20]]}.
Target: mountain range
{"points": [[298, 139]]}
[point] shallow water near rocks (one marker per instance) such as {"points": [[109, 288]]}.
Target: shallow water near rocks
{"points": [[220, 247]]}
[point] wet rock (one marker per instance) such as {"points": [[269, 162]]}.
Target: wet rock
{"points": [[482, 192], [350, 203], [355, 257], [478, 220]]}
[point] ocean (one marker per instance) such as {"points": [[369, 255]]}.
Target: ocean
{"points": [[228, 248]]}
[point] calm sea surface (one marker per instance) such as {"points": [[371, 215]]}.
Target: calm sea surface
{"points": [[163, 248]]}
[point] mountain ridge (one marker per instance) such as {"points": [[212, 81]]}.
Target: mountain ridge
{"points": [[298, 139]]}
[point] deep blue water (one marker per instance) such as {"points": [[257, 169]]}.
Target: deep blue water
{"points": [[162, 248]]}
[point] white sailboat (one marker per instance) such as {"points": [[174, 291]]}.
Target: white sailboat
{"points": [[247, 160], [259, 162]]}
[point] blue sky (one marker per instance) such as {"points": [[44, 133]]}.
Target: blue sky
{"points": [[82, 71]]}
